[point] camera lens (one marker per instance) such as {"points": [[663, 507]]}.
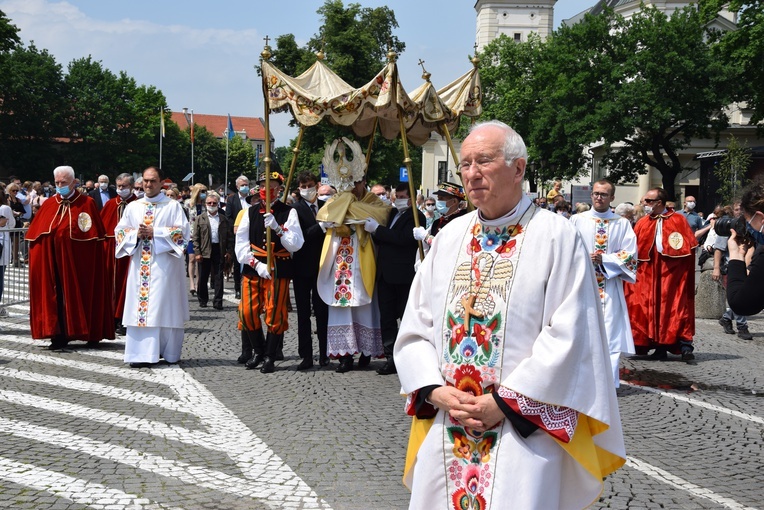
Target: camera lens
{"points": [[723, 226]]}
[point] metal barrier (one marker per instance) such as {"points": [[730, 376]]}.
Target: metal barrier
{"points": [[16, 274]]}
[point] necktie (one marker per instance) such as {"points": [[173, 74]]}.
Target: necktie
{"points": [[314, 209]]}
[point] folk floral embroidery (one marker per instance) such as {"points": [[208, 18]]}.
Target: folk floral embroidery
{"points": [[343, 274], [600, 246], [474, 335], [628, 260], [145, 269], [176, 236]]}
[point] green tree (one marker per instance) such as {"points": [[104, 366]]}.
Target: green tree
{"points": [[9, 34], [642, 87], [241, 159], [355, 40], [732, 169], [31, 111]]}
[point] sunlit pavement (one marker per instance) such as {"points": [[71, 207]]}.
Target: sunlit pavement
{"points": [[79, 429]]}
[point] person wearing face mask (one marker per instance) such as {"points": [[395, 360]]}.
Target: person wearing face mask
{"points": [[110, 215], [306, 262], [264, 288], [66, 235], [430, 213], [325, 192], [102, 192], [382, 193], [662, 302], [396, 248], [194, 206], [695, 221], [448, 205], [235, 203], [745, 284], [213, 240], [138, 187]]}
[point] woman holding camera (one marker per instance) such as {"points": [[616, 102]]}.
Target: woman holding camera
{"points": [[745, 286]]}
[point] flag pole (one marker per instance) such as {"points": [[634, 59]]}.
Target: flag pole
{"points": [[225, 183], [161, 134]]}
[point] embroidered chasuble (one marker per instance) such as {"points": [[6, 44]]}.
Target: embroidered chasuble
{"points": [[509, 307]]}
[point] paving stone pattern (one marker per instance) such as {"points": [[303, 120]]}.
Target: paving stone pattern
{"points": [[81, 430]]}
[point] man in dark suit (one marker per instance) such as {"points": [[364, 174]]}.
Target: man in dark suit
{"points": [[103, 192], [233, 204], [307, 261], [396, 254], [213, 245]]}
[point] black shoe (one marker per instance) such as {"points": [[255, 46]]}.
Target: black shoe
{"points": [[305, 364], [743, 333], [364, 361], [279, 356], [57, 344], [388, 368], [140, 365], [218, 306], [193, 292], [121, 330], [238, 294], [346, 364], [203, 305], [687, 355], [323, 361], [659, 354], [268, 366], [254, 362], [727, 325]]}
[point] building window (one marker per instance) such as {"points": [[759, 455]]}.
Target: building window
{"points": [[442, 171], [518, 37]]}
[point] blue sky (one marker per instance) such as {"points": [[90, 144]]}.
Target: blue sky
{"points": [[201, 53]]}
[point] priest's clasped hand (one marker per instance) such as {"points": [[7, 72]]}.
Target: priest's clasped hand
{"points": [[479, 413], [145, 232], [371, 225]]}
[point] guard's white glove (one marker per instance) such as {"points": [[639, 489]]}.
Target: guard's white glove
{"points": [[326, 225], [271, 222], [420, 233], [262, 270], [371, 225]]}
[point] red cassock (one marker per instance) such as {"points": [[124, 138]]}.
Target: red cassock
{"points": [[70, 282], [662, 301], [110, 215]]}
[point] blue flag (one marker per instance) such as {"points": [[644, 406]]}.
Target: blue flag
{"points": [[231, 132], [257, 158]]}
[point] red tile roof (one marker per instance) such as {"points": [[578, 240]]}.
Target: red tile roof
{"points": [[217, 124]]}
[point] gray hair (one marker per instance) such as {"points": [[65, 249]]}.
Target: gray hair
{"points": [[126, 177], [623, 209], [213, 194], [104, 176], [514, 146], [64, 170], [242, 178]]}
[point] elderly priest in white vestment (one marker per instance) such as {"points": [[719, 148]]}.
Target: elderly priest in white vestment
{"points": [[154, 233], [503, 354]]}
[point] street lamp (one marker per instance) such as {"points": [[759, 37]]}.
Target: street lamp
{"points": [[190, 122]]}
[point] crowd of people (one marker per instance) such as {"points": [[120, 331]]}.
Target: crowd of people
{"points": [[505, 323]]}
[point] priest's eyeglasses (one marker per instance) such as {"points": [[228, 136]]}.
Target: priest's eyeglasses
{"points": [[480, 163], [600, 195]]}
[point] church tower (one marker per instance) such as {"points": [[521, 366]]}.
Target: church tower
{"points": [[514, 18]]}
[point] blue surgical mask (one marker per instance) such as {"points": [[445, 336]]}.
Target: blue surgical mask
{"points": [[202, 195], [244, 189], [63, 191], [441, 206]]}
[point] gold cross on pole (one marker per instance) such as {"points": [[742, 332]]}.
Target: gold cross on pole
{"points": [[266, 39]]}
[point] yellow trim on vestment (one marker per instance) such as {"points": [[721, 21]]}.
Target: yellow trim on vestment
{"points": [[597, 461], [419, 430], [343, 207]]}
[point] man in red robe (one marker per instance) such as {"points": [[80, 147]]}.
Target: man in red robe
{"points": [[662, 302], [110, 215], [70, 282]]}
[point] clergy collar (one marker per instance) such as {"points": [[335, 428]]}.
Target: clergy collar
{"points": [[604, 215], [511, 216], [156, 198]]}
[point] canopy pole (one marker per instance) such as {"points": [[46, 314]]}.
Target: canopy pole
{"points": [[447, 134], [371, 144], [266, 54], [292, 166]]}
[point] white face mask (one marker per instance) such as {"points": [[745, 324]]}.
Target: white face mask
{"points": [[690, 205], [648, 210], [309, 194], [384, 199], [124, 192], [324, 198], [212, 209], [430, 207], [138, 193], [103, 185], [402, 204]]}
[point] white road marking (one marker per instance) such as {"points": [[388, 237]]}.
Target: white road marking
{"points": [[679, 483], [698, 403], [75, 490]]}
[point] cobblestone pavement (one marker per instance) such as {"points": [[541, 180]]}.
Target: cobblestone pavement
{"points": [[81, 430]]}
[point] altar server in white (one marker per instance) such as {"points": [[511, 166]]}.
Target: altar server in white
{"points": [[503, 354], [612, 247], [154, 232]]}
